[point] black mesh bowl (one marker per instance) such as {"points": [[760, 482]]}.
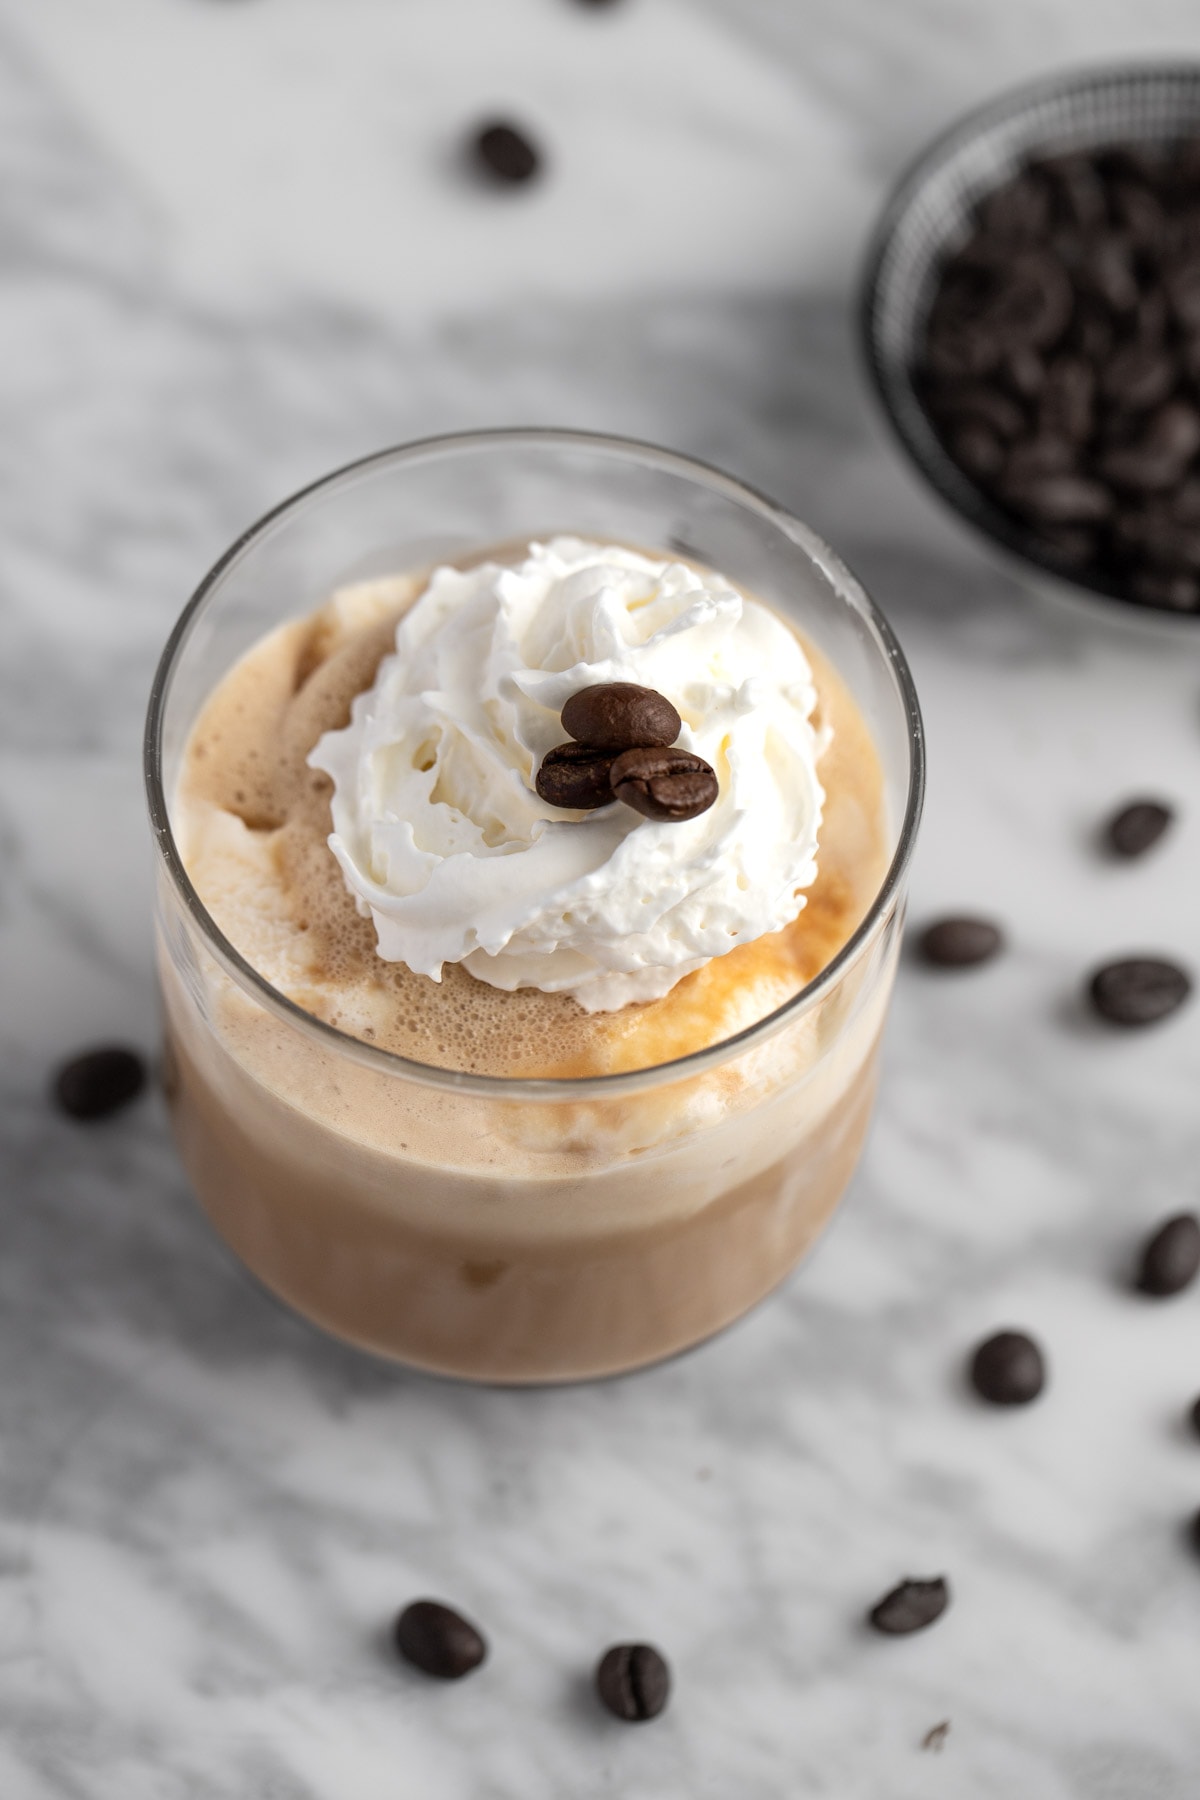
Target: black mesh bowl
{"points": [[928, 217]]}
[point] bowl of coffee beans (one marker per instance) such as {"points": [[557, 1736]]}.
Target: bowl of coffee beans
{"points": [[1031, 319]]}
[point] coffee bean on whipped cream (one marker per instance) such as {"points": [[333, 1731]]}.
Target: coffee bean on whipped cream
{"points": [[1133, 830], [1138, 990], [577, 776], [910, 1607], [506, 154], [664, 784], [618, 715], [1170, 1258], [633, 1681], [99, 1082], [960, 942], [1008, 1369], [439, 1641]]}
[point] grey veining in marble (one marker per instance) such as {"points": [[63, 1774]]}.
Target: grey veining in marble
{"points": [[207, 1513]]}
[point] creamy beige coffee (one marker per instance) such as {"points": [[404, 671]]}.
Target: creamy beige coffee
{"points": [[503, 1237]]}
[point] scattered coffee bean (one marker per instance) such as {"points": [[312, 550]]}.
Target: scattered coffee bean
{"points": [[99, 1082], [1194, 1530], [664, 784], [1170, 1257], [438, 1640], [935, 1737], [576, 775], [1137, 826], [506, 154], [617, 715], [910, 1607], [1008, 1369], [1139, 990], [1194, 1415], [633, 1681], [959, 943]]}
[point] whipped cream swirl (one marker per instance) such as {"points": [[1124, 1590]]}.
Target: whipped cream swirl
{"points": [[444, 841]]}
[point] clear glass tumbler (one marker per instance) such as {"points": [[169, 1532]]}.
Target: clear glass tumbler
{"points": [[498, 1229]]}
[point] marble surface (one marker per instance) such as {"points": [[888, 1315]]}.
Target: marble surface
{"points": [[235, 250]]}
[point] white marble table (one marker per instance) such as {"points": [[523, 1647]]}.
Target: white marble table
{"points": [[234, 251]]}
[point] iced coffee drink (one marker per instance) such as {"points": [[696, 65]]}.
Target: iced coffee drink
{"points": [[528, 909]]}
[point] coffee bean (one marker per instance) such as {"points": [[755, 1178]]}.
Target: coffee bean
{"points": [[1194, 1531], [438, 1640], [1059, 499], [633, 1681], [977, 402], [99, 1082], [1019, 209], [1175, 593], [1037, 456], [1139, 376], [576, 776], [664, 784], [1138, 990], [960, 942], [1170, 1257], [617, 715], [910, 1607], [1008, 1369], [1158, 458], [1132, 830], [1025, 372], [1194, 1415], [506, 153], [1066, 405], [977, 450], [1066, 546]]}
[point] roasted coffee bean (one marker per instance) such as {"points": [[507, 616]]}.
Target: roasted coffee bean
{"points": [[960, 943], [99, 1082], [1035, 457], [1008, 1369], [506, 154], [1059, 499], [1157, 460], [976, 450], [1066, 546], [1131, 831], [438, 1640], [1181, 280], [1139, 212], [1194, 1531], [633, 1681], [1107, 267], [576, 776], [1138, 990], [1194, 1415], [1019, 209], [1139, 376], [981, 404], [1079, 191], [1032, 304], [1025, 373], [1066, 405], [910, 1607], [1170, 1257], [1169, 545], [617, 715], [1174, 593], [664, 784]]}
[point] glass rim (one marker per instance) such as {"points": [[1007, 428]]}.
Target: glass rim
{"points": [[574, 1087]]}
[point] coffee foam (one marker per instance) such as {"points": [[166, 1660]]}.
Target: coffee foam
{"points": [[252, 820]]}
